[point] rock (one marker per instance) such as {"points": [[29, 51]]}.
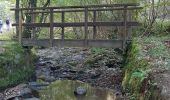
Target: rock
{"points": [[32, 99], [25, 91], [37, 86], [80, 91], [17, 92], [16, 98], [41, 63], [95, 74], [50, 79], [79, 64], [52, 68], [1, 96], [42, 77], [111, 70]]}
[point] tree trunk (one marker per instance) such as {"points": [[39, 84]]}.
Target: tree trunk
{"points": [[27, 30]]}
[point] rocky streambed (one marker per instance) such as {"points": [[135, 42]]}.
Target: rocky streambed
{"points": [[100, 68]]}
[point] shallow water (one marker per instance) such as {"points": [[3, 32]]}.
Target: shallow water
{"points": [[64, 90]]}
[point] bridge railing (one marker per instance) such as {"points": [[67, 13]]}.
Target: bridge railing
{"points": [[121, 43]]}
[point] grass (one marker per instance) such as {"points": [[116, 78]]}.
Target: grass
{"points": [[6, 35], [155, 50]]}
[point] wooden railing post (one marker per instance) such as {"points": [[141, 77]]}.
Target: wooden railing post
{"points": [[129, 33], [86, 26], [20, 27], [51, 27], [62, 20], [125, 27], [94, 27], [33, 21]]}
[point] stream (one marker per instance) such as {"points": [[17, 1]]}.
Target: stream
{"points": [[64, 90]]}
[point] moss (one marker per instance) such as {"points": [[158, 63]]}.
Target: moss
{"points": [[135, 70], [15, 66], [103, 57]]}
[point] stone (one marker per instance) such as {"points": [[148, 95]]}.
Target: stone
{"points": [[80, 91], [17, 98], [50, 78], [37, 86], [32, 99], [25, 91], [17, 92], [1, 96]]}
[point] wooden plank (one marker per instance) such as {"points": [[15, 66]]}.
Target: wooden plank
{"points": [[87, 6], [74, 43], [33, 21], [80, 24], [51, 27], [129, 33], [62, 20], [85, 25], [20, 27], [74, 10], [94, 27], [125, 27]]}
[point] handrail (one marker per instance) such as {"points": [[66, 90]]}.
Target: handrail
{"points": [[100, 9], [87, 6]]}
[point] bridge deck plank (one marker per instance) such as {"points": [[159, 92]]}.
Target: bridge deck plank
{"points": [[74, 43], [79, 24]]}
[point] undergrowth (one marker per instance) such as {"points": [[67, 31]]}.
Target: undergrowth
{"points": [[15, 65]]}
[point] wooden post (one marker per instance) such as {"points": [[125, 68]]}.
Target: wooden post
{"points": [[86, 26], [51, 27], [33, 21], [20, 27], [62, 20], [94, 27], [129, 33], [125, 27]]}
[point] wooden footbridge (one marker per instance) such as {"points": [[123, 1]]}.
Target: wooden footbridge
{"points": [[86, 41]]}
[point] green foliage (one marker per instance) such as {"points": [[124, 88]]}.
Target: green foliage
{"points": [[102, 56], [159, 28], [14, 67], [5, 10], [3, 72], [6, 36], [98, 51], [135, 70]]}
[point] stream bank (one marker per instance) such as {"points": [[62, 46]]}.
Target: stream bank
{"points": [[147, 67]]}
